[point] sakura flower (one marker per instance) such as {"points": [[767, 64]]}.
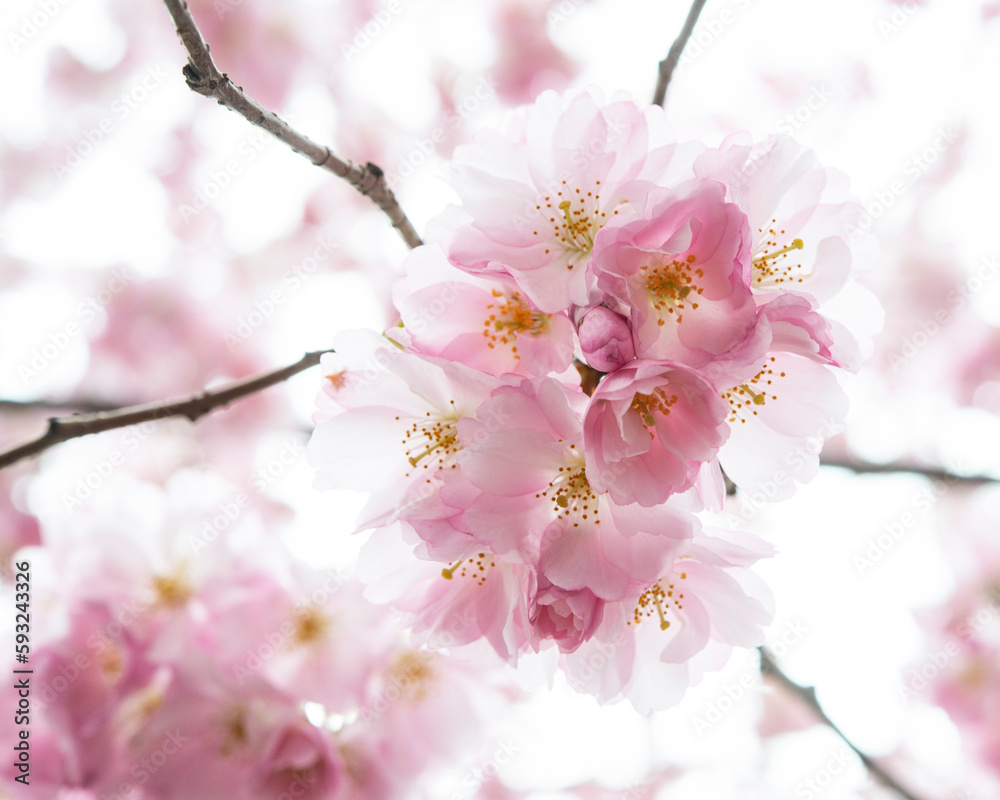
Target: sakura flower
{"points": [[535, 498], [681, 268], [800, 214], [533, 202], [651, 646], [649, 426], [779, 406], [485, 324], [397, 434]]}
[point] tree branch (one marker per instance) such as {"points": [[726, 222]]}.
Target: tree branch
{"points": [[807, 694], [78, 406], [934, 473], [205, 78], [62, 429], [669, 64]]}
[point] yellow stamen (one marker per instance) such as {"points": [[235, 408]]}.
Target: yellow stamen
{"points": [[797, 244]]}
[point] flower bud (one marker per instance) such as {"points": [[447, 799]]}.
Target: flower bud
{"points": [[606, 339]]}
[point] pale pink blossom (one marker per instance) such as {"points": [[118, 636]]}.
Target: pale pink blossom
{"points": [[653, 645], [534, 200], [802, 218], [387, 422], [488, 325], [648, 428]]}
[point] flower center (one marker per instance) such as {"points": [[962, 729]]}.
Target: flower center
{"points": [[435, 440], [509, 317], [754, 392], [657, 600], [310, 626], [646, 404], [772, 267], [570, 493], [473, 567], [172, 590], [670, 287], [575, 217], [412, 672]]}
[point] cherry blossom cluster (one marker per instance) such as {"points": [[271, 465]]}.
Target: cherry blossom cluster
{"points": [[609, 322], [168, 666]]}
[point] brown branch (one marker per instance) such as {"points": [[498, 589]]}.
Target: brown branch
{"points": [[79, 406], [934, 473], [62, 429], [669, 64], [769, 667], [205, 78]]}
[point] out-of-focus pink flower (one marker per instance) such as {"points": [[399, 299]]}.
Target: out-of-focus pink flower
{"points": [[648, 428], [605, 338]]}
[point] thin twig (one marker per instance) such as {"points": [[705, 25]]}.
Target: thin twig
{"points": [[205, 78], [807, 694], [669, 64], [62, 429], [934, 473]]}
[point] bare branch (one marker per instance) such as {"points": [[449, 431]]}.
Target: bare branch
{"points": [[82, 406], [62, 429], [934, 473], [807, 694], [205, 78], [669, 64]]}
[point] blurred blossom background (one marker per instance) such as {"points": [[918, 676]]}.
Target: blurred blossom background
{"points": [[153, 244]]}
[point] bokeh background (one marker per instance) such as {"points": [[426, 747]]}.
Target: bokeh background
{"points": [[153, 244]]}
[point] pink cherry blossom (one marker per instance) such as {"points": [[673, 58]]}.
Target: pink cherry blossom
{"points": [[801, 215], [681, 267], [647, 429], [533, 201], [653, 645], [396, 435], [488, 325]]}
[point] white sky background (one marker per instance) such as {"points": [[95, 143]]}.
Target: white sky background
{"points": [[754, 63]]}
